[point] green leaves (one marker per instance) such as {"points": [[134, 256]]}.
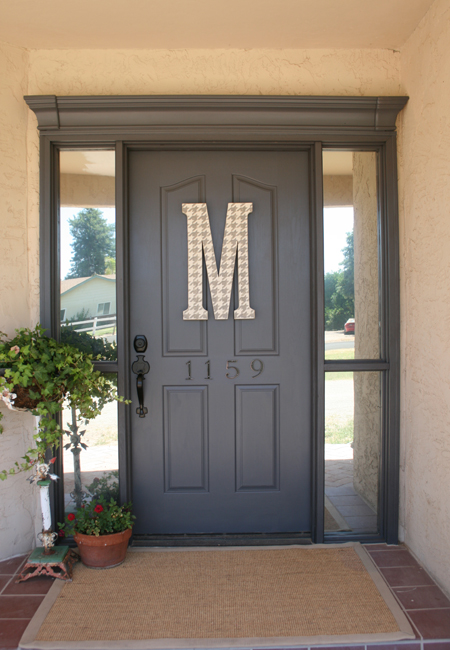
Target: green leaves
{"points": [[99, 517], [92, 243], [51, 373]]}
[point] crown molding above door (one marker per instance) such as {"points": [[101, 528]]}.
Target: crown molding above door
{"points": [[222, 114]]}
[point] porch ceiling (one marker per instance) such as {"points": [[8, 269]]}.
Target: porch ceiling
{"points": [[153, 24]]}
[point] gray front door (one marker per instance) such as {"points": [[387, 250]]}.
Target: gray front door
{"points": [[226, 444]]}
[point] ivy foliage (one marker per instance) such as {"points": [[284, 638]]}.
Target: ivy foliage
{"points": [[55, 375]]}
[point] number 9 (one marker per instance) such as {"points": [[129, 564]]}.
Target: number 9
{"points": [[255, 369]]}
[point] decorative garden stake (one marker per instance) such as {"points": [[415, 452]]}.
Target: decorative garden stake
{"points": [[75, 445]]}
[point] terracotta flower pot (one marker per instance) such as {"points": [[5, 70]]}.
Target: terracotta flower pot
{"points": [[105, 551]]}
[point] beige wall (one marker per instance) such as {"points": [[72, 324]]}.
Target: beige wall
{"points": [[17, 497], [366, 443], [207, 72], [424, 148], [89, 191]]}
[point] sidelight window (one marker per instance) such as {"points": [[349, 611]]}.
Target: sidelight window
{"points": [[354, 342], [88, 314]]}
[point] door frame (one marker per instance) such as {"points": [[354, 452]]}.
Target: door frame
{"points": [[230, 123]]}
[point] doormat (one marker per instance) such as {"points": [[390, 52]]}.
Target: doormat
{"points": [[215, 598]]}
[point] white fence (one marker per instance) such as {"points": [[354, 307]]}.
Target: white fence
{"points": [[92, 325]]}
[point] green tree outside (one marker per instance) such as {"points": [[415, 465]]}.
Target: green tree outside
{"points": [[93, 241], [340, 290]]}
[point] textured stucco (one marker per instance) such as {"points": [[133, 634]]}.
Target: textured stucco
{"points": [[205, 72], [424, 164], [87, 190], [337, 191], [14, 303], [17, 497], [366, 445]]}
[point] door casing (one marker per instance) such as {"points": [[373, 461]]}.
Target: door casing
{"points": [[227, 123]]}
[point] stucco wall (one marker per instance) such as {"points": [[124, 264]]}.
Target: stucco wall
{"points": [[424, 148], [70, 72], [366, 444], [207, 72], [17, 497], [87, 190]]}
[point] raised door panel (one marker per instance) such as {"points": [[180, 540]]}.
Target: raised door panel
{"points": [[186, 466], [260, 335], [180, 338], [257, 438]]}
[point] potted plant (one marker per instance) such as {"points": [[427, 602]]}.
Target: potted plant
{"points": [[41, 375], [101, 530]]}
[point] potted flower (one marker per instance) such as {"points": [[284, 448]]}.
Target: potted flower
{"points": [[101, 530], [40, 374]]}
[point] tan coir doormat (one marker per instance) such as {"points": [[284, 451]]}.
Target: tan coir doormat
{"points": [[206, 598]]}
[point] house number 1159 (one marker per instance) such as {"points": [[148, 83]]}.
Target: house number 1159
{"points": [[232, 372]]}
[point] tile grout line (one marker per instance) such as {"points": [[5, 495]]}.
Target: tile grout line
{"points": [[7, 583], [391, 589], [427, 609]]}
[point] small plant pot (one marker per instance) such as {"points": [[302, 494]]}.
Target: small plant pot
{"points": [[103, 552]]}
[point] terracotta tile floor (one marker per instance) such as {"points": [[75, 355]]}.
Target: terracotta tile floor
{"points": [[426, 606]]}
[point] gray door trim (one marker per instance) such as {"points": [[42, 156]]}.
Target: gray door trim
{"points": [[177, 122]]}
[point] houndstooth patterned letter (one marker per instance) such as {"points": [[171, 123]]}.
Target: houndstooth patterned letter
{"points": [[235, 242]]}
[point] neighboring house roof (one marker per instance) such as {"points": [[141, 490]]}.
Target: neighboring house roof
{"points": [[68, 285]]}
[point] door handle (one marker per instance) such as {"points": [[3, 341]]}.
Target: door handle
{"points": [[140, 367]]}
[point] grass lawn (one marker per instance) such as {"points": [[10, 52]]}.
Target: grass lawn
{"points": [[338, 431], [339, 355]]}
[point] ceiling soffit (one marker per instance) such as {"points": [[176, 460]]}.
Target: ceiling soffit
{"points": [[202, 24]]}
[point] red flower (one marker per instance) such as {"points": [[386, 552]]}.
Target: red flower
{"points": [[62, 533], [70, 516], [98, 508]]}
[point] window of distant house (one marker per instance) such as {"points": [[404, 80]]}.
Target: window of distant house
{"points": [[103, 309]]}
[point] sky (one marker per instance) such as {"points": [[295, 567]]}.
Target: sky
{"points": [[337, 223]]}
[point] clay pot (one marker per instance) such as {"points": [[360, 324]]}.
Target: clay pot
{"points": [[103, 552]]}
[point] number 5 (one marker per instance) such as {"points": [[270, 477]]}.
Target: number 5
{"points": [[232, 368]]}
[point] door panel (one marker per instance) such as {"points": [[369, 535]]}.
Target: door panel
{"points": [[257, 438], [179, 337], [218, 453], [186, 448], [261, 334]]}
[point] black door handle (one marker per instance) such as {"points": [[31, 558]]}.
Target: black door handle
{"points": [[142, 410], [140, 367]]}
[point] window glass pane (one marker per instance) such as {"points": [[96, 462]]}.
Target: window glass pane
{"points": [[351, 263], [88, 250], [352, 451], [91, 472]]}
